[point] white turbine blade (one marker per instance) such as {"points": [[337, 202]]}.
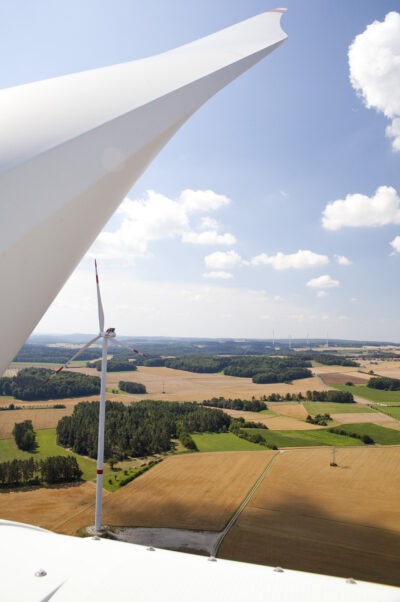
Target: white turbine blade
{"points": [[99, 303], [72, 358], [127, 347]]}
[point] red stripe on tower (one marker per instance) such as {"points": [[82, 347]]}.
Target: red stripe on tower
{"points": [[99, 472]]}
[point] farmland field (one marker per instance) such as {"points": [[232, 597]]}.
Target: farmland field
{"points": [[190, 386], [371, 394], [325, 407], [214, 442], [341, 378], [380, 434], [374, 417], [41, 419], [273, 421], [309, 516], [191, 491], [393, 411], [304, 438]]}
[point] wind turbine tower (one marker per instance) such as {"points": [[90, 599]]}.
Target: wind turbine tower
{"points": [[106, 335]]}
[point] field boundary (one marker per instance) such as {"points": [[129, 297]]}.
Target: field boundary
{"points": [[224, 533]]}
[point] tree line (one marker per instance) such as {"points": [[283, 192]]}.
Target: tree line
{"points": [[29, 384], [130, 387], [247, 405], [384, 383], [140, 429], [54, 469]]}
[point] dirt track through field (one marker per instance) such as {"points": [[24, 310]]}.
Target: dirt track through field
{"points": [[307, 515]]}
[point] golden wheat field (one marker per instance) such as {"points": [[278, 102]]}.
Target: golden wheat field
{"points": [[41, 419], [194, 491], [189, 386], [307, 515]]}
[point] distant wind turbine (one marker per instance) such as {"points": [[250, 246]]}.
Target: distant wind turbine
{"points": [[108, 335]]}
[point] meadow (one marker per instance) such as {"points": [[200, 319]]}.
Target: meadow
{"points": [[325, 407], [370, 394], [215, 442], [393, 411], [303, 438], [380, 434]]}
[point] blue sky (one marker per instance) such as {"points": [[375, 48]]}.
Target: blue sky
{"points": [[282, 142]]}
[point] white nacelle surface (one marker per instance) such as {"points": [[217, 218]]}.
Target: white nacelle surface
{"points": [[102, 570]]}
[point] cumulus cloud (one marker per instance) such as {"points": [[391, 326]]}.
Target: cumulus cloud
{"points": [[301, 259], [221, 260], [342, 260], [209, 237], [360, 210], [396, 244], [374, 61], [322, 294], [218, 274], [323, 282], [156, 217]]}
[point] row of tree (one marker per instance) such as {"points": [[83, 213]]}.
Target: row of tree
{"points": [[140, 429], [54, 469], [281, 376], [384, 383], [29, 384], [253, 405]]}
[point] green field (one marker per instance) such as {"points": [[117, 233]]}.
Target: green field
{"points": [[325, 407], [7, 398], [269, 412], [211, 442], [380, 434], [371, 394], [46, 440], [393, 411], [304, 438]]}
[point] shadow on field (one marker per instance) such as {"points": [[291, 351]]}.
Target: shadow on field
{"points": [[25, 488], [297, 534]]}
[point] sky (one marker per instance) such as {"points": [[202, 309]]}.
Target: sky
{"points": [[276, 207]]}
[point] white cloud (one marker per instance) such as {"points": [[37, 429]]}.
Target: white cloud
{"points": [[323, 282], [374, 61], [218, 274], [301, 259], [396, 244], [203, 200], [284, 194], [322, 294], [342, 260], [359, 210], [353, 300], [156, 217], [209, 237], [221, 260]]}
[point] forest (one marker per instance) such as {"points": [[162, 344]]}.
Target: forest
{"points": [[130, 387], [54, 469], [29, 385], [140, 429]]}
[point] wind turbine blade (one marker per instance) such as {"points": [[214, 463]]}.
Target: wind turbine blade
{"points": [[72, 359], [127, 347], [99, 303], [72, 147]]}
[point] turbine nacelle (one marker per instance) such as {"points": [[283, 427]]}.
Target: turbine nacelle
{"points": [[109, 333]]}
